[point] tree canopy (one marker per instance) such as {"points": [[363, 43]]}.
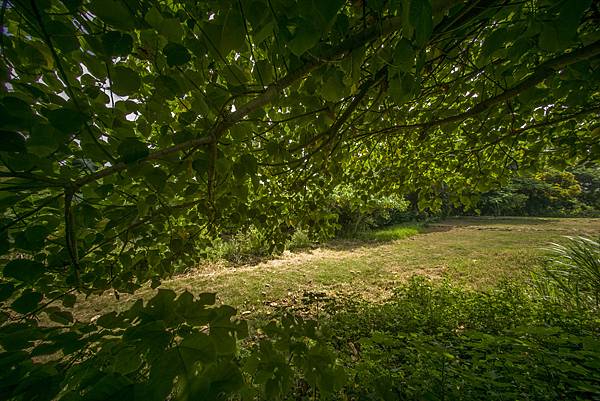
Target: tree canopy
{"points": [[133, 132]]}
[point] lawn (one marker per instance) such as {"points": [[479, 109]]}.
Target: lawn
{"points": [[475, 252]]}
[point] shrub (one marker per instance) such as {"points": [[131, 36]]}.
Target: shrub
{"points": [[300, 240], [242, 246], [359, 212]]}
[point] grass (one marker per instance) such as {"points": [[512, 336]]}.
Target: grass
{"points": [[475, 252], [392, 233]]}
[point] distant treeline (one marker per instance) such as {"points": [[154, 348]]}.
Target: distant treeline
{"points": [[573, 192]]}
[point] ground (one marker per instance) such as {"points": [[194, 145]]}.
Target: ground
{"points": [[476, 252]]}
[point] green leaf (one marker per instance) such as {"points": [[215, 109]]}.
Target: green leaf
{"points": [[12, 142], [127, 361], [6, 291], [156, 177], [306, 37], [226, 378], [63, 36], [198, 347], [24, 270], [549, 39], [176, 54], [61, 317], [207, 298], [109, 320], [494, 41], [72, 5], [69, 300], [36, 236], [250, 163], [66, 120], [333, 87], [401, 88], [132, 149], [109, 387], [233, 35], [263, 72], [27, 302], [117, 43], [44, 139], [153, 17], [216, 96], [421, 20], [17, 107], [404, 55], [112, 12], [171, 29], [125, 81], [569, 17], [326, 11]]}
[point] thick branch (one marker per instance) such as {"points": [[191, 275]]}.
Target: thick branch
{"points": [[153, 156], [544, 71]]}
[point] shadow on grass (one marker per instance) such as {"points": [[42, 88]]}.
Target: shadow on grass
{"points": [[380, 237], [491, 220]]}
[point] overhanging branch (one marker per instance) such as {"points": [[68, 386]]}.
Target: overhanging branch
{"points": [[544, 71]]}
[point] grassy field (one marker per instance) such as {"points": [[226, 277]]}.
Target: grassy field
{"points": [[476, 252]]}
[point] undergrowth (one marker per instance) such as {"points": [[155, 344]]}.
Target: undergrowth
{"points": [[439, 342]]}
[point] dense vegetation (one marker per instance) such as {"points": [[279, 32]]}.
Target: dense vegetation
{"points": [[137, 134], [549, 193]]}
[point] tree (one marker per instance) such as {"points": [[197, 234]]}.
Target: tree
{"points": [[548, 193], [135, 131]]}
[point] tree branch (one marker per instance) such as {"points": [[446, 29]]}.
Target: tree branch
{"points": [[544, 71]]}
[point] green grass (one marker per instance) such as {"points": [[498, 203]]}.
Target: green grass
{"points": [[391, 233], [474, 252]]}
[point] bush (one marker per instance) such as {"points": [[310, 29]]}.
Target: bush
{"points": [[299, 240], [240, 247], [360, 212]]}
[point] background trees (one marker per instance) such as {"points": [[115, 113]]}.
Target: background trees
{"points": [[134, 131]]}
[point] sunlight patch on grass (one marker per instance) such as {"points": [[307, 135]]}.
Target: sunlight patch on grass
{"points": [[391, 233]]}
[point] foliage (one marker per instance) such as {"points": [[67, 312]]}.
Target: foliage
{"points": [[361, 212], [134, 133], [435, 341], [181, 345], [293, 362], [548, 193], [173, 347], [589, 180], [242, 246], [573, 271], [299, 240]]}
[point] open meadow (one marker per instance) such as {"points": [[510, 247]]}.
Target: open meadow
{"points": [[477, 252]]}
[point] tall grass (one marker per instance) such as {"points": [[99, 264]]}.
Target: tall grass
{"points": [[573, 270]]}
